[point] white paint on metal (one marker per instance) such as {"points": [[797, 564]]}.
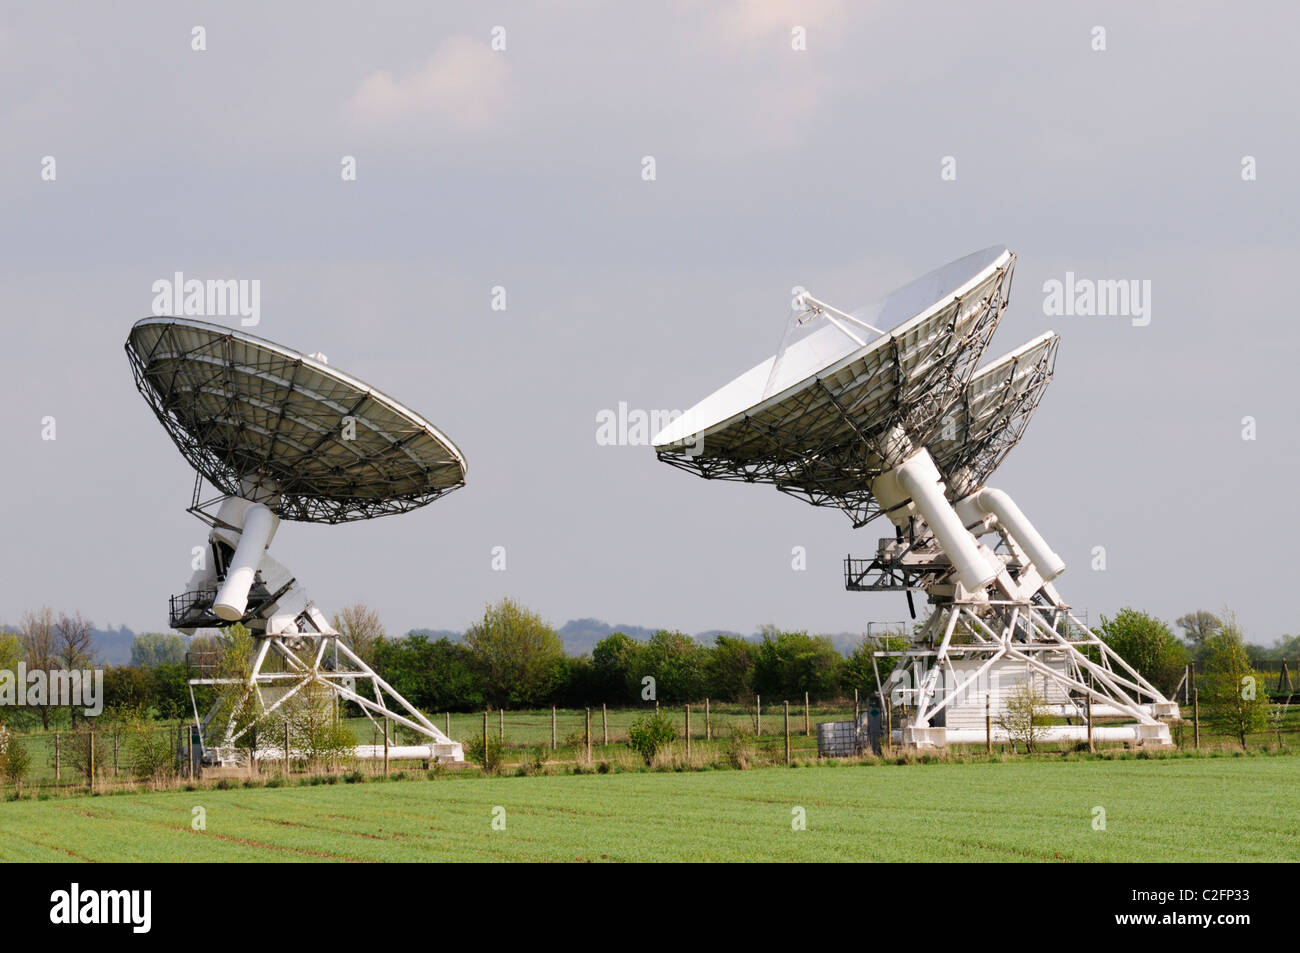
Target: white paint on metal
{"points": [[232, 597]]}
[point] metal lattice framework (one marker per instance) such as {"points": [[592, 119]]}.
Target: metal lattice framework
{"points": [[992, 414], [964, 649], [283, 670], [245, 411], [825, 442], [905, 427]]}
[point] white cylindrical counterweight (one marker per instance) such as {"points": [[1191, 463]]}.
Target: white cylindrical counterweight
{"points": [[920, 478], [1018, 527], [232, 597]]}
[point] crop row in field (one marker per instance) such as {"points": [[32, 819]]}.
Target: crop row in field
{"points": [[1159, 810]]}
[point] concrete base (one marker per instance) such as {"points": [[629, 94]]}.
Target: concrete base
{"points": [[1144, 736], [1153, 736], [917, 737]]}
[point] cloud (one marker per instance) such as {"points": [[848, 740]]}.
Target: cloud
{"points": [[745, 28], [464, 82], [772, 93]]}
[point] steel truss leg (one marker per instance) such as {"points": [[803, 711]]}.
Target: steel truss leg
{"points": [[1024, 633], [297, 675]]}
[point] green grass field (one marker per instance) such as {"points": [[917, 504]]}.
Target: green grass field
{"points": [[1162, 810]]}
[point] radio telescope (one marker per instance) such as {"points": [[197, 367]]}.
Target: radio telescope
{"points": [[900, 423], [284, 436]]}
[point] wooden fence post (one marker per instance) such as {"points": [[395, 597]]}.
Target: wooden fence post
{"points": [[1196, 717], [446, 723], [758, 716], [552, 727], [787, 732], [688, 731], [988, 723], [806, 729], [857, 708], [604, 725]]}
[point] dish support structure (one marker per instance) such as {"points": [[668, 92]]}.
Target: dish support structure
{"points": [[996, 617], [296, 649]]}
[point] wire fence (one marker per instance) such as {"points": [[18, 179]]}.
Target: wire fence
{"points": [[565, 734], [167, 755], [1281, 677], [92, 757], [773, 728]]}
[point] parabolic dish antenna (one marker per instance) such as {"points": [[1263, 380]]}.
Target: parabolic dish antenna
{"points": [[243, 410], [992, 414], [818, 420], [900, 423], [283, 435]]}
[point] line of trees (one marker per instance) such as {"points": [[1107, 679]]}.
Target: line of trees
{"points": [[511, 658], [1232, 692], [47, 642], [1151, 646]]}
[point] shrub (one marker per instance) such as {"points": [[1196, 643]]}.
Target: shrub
{"points": [[650, 734], [17, 761], [315, 736], [1023, 717], [489, 757], [1233, 699], [151, 753], [740, 746]]}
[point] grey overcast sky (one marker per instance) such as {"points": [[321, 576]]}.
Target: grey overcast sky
{"points": [[774, 167]]}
